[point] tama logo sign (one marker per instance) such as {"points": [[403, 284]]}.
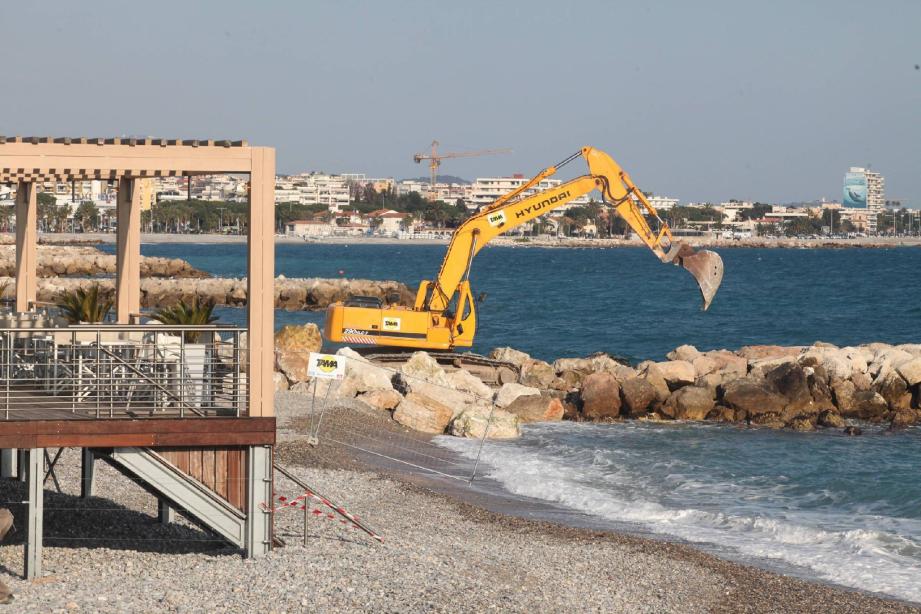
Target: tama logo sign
{"points": [[392, 324], [547, 202], [326, 366], [496, 219]]}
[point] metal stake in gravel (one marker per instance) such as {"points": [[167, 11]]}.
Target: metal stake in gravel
{"points": [[325, 367]]}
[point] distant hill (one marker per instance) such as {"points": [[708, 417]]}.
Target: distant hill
{"points": [[440, 179]]}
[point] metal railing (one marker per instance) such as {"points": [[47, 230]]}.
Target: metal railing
{"points": [[121, 371]]}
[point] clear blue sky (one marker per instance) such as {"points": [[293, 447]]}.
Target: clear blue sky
{"points": [[699, 100]]}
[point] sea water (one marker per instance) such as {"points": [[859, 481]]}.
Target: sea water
{"points": [[842, 509]]}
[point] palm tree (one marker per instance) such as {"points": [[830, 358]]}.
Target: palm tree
{"points": [[84, 305], [184, 314]]}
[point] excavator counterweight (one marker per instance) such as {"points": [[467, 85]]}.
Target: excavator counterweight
{"points": [[443, 316]]}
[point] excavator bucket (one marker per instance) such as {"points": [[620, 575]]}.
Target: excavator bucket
{"points": [[704, 265]]}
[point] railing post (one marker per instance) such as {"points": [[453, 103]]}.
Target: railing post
{"points": [[35, 512]]}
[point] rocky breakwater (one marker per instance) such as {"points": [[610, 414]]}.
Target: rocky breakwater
{"points": [[61, 260], [800, 388], [290, 294], [420, 394]]}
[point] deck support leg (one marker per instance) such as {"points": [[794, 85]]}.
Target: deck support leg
{"points": [[21, 462], [87, 472], [8, 465], [166, 513], [258, 501], [35, 511]]}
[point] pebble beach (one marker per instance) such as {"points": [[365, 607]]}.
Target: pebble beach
{"points": [[440, 553]]}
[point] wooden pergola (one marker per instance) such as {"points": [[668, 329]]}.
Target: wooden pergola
{"points": [[161, 446], [29, 161]]}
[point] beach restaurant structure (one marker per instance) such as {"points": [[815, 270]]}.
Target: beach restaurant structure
{"points": [[186, 411]]}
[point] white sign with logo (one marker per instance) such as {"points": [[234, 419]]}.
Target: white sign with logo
{"points": [[391, 324], [496, 219], [326, 366]]}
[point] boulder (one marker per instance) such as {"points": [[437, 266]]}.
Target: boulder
{"points": [[689, 403], [845, 396], [361, 375], [677, 373], [861, 380], [704, 365], [831, 419], [571, 379], [293, 345], [465, 381], [910, 370], [729, 365], [591, 364], [423, 414], [869, 406], [510, 355], [887, 358], [912, 348], [758, 368], [686, 353], [905, 417], [385, 400], [790, 381], [600, 396], [651, 373], [506, 375], [762, 352], [837, 363], [531, 408], [638, 395], [769, 421], [753, 397], [721, 413], [802, 425], [509, 392], [537, 373], [423, 367], [476, 424], [279, 381], [890, 385]]}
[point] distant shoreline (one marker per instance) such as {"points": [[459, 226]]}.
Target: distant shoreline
{"points": [[547, 242]]}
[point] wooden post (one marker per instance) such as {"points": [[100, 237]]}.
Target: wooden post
{"points": [[26, 242], [261, 282], [128, 250]]}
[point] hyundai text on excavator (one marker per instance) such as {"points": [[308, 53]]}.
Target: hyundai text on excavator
{"points": [[444, 314]]}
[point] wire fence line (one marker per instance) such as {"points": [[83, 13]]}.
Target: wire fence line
{"points": [[412, 450]]}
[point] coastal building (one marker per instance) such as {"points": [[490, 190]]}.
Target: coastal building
{"points": [[387, 222], [865, 189], [308, 228], [662, 203], [331, 191]]}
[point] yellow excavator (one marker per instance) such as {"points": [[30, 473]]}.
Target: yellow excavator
{"points": [[444, 314]]}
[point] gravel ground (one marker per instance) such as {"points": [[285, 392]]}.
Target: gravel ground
{"points": [[439, 554]]}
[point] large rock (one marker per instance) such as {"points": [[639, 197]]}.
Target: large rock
{"points": [[638, 396], [753, 397], [791, 381], [530, 408], [677, 373], [385, 400], [730, 366], [888, 358], [762, 352], [890, 385], [870, 406], [830, 419], [465, 381], [689, 403], [423, 414], [293, 345], [845, 396], [910, 370], [510, 355], [509, 392], [361, 375], [905, 417], [279, 381], [590, 364], [476, 424], [423, 367], [686, 353], [600, 396], [650, 372], [537, 373]]}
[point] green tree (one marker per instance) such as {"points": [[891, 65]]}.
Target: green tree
{"points": [[87, 216]]}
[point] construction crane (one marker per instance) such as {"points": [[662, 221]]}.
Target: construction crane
{"points": [[435, 158]]}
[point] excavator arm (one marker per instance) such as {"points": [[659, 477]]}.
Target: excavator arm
{"points": [[444, 315], [511, 211]]}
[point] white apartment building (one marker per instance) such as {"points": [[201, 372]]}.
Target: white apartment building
{"points": [[662, 203], [486, 190], [314, 189]]}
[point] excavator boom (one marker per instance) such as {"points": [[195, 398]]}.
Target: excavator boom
{"points": [[444, 314]]}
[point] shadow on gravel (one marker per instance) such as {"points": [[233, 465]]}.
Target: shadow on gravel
{"points": [[96, 522]]}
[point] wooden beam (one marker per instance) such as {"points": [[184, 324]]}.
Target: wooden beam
{"points": [[261, 278], [26, 242], [128, 250]]}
